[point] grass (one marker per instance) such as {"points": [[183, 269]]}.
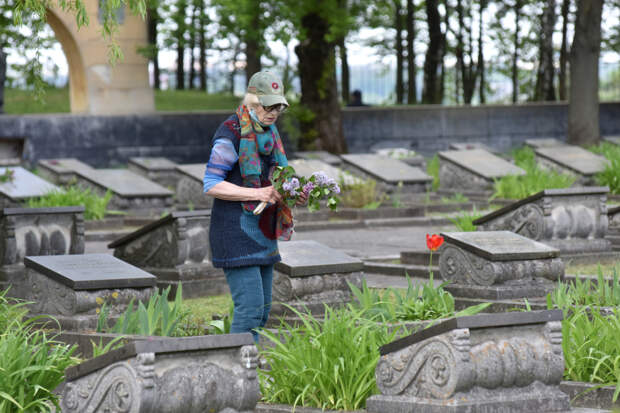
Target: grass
{"points": [[534, 180], [361, 194], [95, 206], [432, 169], [591, 269], [56, 100], [200, 312], [610, 176], [464, 221]]}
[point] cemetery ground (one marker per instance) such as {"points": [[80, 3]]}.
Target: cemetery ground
{"points": [[508, 280]]}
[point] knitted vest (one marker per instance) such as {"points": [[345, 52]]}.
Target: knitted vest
{"points": [[235, 237]]}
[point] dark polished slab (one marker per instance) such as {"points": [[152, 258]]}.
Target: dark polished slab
{"points": [[304, 258], [90, 271], [516, 318], [500, 245], [36, 211]]}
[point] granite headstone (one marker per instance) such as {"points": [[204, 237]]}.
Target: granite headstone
{"points": [[474, 169], [157, 169], [572, 160], [544, 143], [306, 167], [61, 171], [190, 188], [323, 156], [19, 185]]}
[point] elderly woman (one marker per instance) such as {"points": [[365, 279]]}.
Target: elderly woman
{"points": [[244, 151]]}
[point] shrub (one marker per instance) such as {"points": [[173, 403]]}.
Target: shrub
{"points": [[432, 169], [157, 318], [586, 292], [32, 363], [464, 222], [610, 176], [534, 180], [94, 205], [328, 363], [361, 194]]}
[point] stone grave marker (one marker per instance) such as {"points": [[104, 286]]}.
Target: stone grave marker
{"points": [[323, 156], [11, 150], [544, 143], [403, 154], [215, 373], [312, 274], [72, 288], [190, 187], [157, 169], [306, 167], [473, 169], [498, 265], [508, 362], [21, 185], [175, 248], [573, 220], [36, 231], [129, 190], [572, 160], [61, 171], [388, 172]]}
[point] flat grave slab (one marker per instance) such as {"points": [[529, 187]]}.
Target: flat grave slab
{"points": [[23, 185], [306, 167], [90, 271], [501, 245], [544, 143], [124, 182], [304, 258], [152, 164], [189, 188], [574, 220], [572, 158], [473, 170], [388, 170], [62, 170], [482, 163], [498, 265], [311, 275], [324, 156]]}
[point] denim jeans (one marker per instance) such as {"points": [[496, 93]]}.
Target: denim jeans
{"points": [[250, 288]]}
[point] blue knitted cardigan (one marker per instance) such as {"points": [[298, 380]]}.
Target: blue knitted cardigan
{"points": [[235, 237]]}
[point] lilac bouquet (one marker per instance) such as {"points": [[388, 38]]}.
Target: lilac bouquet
{"points": [[316, 187]]}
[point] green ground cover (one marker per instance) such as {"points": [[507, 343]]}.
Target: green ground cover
{"points": [[56, 100]]}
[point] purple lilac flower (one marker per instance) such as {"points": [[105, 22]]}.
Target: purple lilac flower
{"points": [[291, 186], [321, 178], [335, 188], [309, 186]]}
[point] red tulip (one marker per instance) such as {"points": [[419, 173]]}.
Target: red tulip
{"points": [[433, 242]]}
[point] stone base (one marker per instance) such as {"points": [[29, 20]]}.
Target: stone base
{"points": [[603, 257], [515, 400], [525, 289], [579, 246]]}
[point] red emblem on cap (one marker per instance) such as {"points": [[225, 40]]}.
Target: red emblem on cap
{"points": [[274, 85]]}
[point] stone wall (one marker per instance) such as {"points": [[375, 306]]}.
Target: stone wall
{"points": [[185, 137]]}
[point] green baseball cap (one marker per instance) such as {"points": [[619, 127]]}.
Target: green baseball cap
{"points": [[268, 87]]}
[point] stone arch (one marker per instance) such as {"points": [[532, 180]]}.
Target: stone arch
{"points": [[96, 86]]}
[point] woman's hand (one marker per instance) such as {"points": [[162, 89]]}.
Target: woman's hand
{"points": [[302, 200], [268, 194]]}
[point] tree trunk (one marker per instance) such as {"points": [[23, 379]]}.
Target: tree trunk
{"points": [[152, 18], [203, 47], [433, 58], [345, 78], [319, 91], [583, 106], [180, 38], [564, 48], [412, 87], [2, 79], [481, 67], [444, 51], [468, 74], [398, 25], [515, 54], [252, 46], [545, 90], [192, 46]]}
